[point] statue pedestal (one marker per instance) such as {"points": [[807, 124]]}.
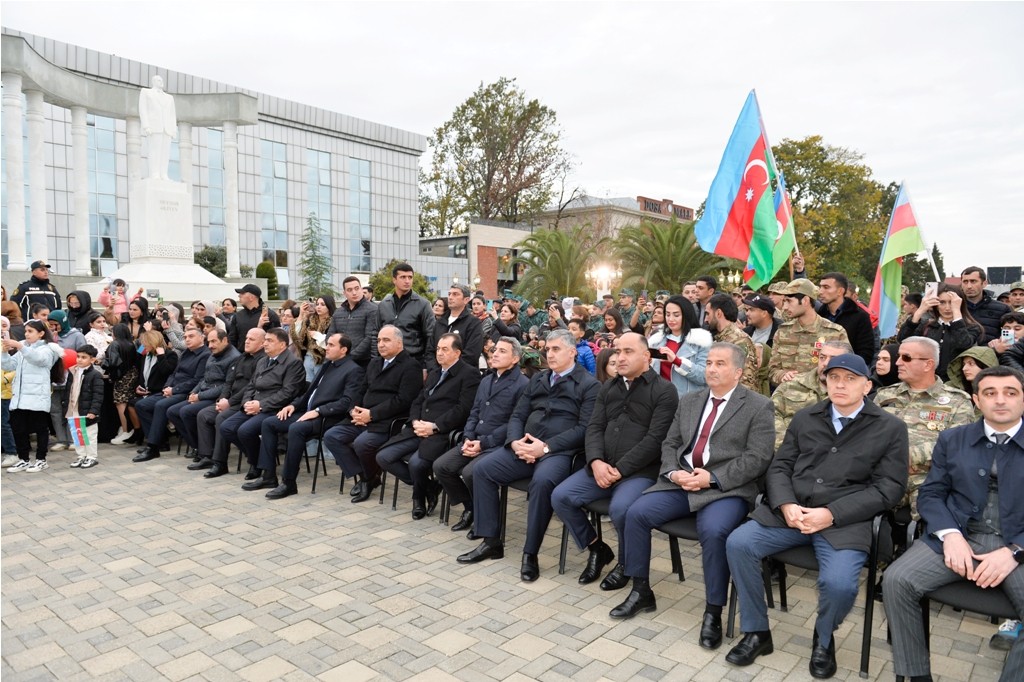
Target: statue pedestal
{"points": [[160, 230]]}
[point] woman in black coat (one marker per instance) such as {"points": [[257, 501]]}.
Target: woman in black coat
{"points": [[951, 326], [156, 364], [506, 323]]}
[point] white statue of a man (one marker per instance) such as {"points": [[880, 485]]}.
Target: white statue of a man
{"points": [[159, 126]]}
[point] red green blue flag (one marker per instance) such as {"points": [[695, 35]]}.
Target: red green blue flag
{"points": [[79, 431], [903, 238], [785, 242], [739, 214]]}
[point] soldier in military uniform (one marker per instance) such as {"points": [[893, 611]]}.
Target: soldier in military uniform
{"points": [[805, 390], [925, 404], [775, 293], [720, 317], [798, 340], [36, 289]]}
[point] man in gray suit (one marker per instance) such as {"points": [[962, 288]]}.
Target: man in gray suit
{"points": [[719, 444]]}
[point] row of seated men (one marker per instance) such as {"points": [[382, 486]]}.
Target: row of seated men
{"points": [[828, 459]]}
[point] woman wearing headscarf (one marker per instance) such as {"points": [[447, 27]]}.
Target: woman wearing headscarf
{"points": [[79, 309], [886, 371]]}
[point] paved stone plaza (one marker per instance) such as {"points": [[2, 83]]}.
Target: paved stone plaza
{"points": [[147, 571]]}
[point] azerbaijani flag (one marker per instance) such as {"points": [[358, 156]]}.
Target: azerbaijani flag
{"points": [[785, 242], [79, 431], [739, 214], [901, 239]]}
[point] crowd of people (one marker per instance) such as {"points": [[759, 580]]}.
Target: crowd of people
{"points": [[776, 419]]}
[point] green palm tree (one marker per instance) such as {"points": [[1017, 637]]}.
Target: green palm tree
{"points": [[657, 255], [554, 260]]}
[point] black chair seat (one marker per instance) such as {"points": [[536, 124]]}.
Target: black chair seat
{"points": [[966, 596]]}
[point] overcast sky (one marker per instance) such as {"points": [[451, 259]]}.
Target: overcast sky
{"points": [[647, 93]]}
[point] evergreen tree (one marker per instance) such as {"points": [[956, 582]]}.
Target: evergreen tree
{"points": [[315, 271]]}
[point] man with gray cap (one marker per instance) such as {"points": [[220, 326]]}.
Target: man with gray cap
{"points": [[251, 313], [843, 461], [762, 323], [798, 341]]}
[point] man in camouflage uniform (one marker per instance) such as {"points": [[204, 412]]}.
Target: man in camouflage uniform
{"points": [[925, 404], [798, 340], [720, 317], [778, 298], [805, 390]]}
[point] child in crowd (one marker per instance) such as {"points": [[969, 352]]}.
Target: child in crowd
{"points": [[85, 399], [99, 335], [10, 450]]}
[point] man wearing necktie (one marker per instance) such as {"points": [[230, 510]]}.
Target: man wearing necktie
{"points": [[332, 393], [718, 446], [973, 516], [843, 461], [440, 408]]}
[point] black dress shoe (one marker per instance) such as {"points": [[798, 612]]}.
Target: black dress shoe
{"points": [[530, 570], [636, 602], [600, 556], [823, 659], [752, 645], [365, 491], [202, 463], [432, 496], [357, 488], [465, 521], [711, 631], [616, 579], [253, 473], [471, 535], [217, 469], [283, 490], [418, 510], [142, 449], [483, 551], [146, 455], [260, 484]]}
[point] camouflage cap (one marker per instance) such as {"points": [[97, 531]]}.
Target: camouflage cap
{"points": [[776, 288], [801, 286], [627, 292], [1017, 285]]}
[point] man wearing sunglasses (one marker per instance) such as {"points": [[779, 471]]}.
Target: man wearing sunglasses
{"points": [[925, 404]]}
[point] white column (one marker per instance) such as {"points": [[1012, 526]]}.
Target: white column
{"points": [[185, 153], [37, 174], [231, 197], [133, 138], [15, 173], [80, 182]]}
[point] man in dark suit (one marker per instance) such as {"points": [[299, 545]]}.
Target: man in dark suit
{"points": [[393, 380], [842, 462], [973, 514], [547, 428], [331, 394], [485, 429], [441, 407], [212, 448], [279, 378], [719, 445], [623, 446]]}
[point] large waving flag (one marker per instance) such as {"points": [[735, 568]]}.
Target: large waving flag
{"points": [[739, 214], [785, 242], [901, 239]]}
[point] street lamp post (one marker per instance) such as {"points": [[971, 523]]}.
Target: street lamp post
{"points": [[602, 276]]}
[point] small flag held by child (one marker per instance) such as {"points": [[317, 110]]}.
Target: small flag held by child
{"points": [[79, 433]]}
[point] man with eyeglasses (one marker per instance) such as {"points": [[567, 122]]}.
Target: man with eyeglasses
{"points": [[925, 404], [548, 426]]}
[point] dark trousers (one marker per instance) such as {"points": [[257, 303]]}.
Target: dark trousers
{"points": [[26, 422], [210, 442], [244, 430], [580, 489], [838, 575], [299, 433], [402, 460], [353, 445], [714, 523], [183, 416], [454, 471], [152, 411], [922, 569], [503, 467]]}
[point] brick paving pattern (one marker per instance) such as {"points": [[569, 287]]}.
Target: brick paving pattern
{"points": [[148, 571]]}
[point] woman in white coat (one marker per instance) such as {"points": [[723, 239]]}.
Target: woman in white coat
{"points": [[38, 363], [680, 350]]}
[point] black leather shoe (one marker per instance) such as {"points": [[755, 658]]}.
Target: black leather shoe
{"points": [[465, 521], [365, 491], [253, 473], [752, 645], [260, 484], [418, 510], [483, 551], [636, 602], [146, 455], [283, 490], [600, 556], [823, 659], [711, 631], [357, 488], [218, 469], [471, 535], [616, 579], [142, 449], [530, 570], [202, 463], [432, 496]]}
